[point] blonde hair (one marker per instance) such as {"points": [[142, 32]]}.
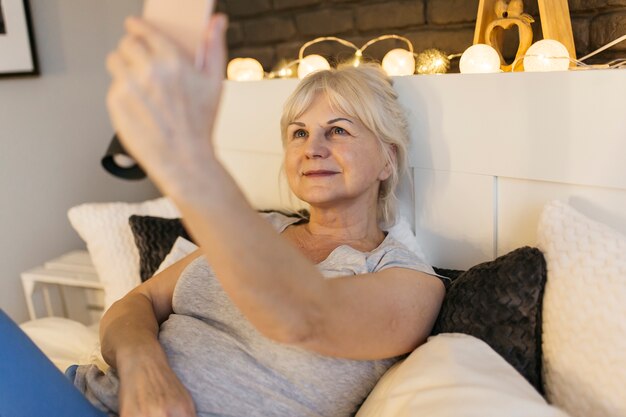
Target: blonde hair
{"points": [[366, 93]]}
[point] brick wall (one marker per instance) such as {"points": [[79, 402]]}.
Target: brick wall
{"points": [[271, 30]]}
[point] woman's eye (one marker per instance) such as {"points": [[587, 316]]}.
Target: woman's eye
{"points": [[338, 131], [300, 133]]}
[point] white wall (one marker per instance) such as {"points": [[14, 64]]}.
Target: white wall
{"points": [[53, 132]]}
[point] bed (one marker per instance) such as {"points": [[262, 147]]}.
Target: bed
{"points": [[490, 154]]}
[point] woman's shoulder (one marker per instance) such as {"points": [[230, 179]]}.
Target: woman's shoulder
{"points": [[393, 253]]}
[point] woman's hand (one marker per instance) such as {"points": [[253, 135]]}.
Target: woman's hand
{"points": [[161, 105], [149, 387]]}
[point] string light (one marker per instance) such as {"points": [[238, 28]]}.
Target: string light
{"points": [[617, 63], [358, 57], [546, 55], [395, 62], [399, 62], [244, 69], [479, 58], [310, 64], [557, 58], [605, 47], [284, 69]]}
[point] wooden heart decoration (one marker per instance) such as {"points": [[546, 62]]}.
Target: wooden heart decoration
{"points": [[505, 15], [494, 36], [555, 24]]}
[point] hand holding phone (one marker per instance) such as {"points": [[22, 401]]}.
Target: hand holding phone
{"points": [[162, 107], [183, 21]]}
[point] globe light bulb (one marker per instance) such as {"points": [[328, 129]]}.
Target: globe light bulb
{"points": [[244, 69], [399, 62], [479, 58], [546, 55], [312, 63]]}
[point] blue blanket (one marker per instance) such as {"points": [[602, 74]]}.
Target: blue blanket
{"points": [[30, 385]]}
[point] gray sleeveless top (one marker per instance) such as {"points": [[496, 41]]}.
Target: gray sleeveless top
{"points": [[232, 370]]}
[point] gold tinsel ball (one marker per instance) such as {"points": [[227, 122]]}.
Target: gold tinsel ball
{"points": [[432, 61]]}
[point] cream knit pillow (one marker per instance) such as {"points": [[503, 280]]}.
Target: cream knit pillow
{"points": [[584, 313], [105, 229]]}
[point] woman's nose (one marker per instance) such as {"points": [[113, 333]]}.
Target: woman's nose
{"points": [[317, 146]]}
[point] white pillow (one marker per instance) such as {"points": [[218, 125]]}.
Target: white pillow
{"points": [[456, 375], [403, 233], [584, 313], [65, 342], [182, 247], [105, 229]]}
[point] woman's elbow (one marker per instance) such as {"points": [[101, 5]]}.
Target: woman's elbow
{"points": [[299, 330]]}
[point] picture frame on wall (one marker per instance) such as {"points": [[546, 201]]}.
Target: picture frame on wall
{"points": [[17, 42]]}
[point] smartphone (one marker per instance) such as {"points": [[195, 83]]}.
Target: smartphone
{"points": [[183, 21]]}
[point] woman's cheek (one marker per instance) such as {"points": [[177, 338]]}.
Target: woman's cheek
{"points": [[291, 171]]}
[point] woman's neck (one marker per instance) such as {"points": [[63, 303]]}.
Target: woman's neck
{"points": [[346, 225]]}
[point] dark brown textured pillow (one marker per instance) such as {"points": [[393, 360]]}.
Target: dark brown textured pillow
{"points": [[500, 303], [154, 237]]}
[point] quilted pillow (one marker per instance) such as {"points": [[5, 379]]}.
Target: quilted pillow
{"points": [[154, 237], [104, 228], [584, 316], [454, 375], [500, 302]]}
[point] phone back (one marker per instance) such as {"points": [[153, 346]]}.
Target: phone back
{"points": [[181, 20]]}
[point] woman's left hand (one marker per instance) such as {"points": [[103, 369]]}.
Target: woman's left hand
{"points": [[162, 107]]}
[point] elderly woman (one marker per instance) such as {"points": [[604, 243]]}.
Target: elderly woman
{"points": [[273, 315]]}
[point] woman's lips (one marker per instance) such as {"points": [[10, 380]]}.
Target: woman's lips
{"points": [[319, 173]]}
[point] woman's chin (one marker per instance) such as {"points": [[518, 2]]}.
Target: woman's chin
{"points": [[317, 199]]}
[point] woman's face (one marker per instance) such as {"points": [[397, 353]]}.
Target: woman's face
{"points": [[332, 158]]}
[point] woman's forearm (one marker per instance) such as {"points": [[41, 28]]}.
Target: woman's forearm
{"points": [[128, 327], [148, 385]]}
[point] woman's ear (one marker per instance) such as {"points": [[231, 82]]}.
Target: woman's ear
{"points": [[391, 163]]}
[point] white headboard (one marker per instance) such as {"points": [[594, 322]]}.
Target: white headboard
{"points": [[487, 152]]}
